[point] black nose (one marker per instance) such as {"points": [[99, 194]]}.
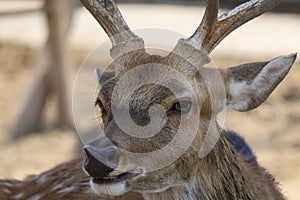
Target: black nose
{"points": [[100, 162]]}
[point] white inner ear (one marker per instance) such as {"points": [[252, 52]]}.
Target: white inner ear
{"points": [[243, 93], [239, 100]]}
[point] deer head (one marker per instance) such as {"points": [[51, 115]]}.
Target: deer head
{"points": [[159, 112]]}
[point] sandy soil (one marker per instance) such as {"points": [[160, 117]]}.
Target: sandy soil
{"points": [[272, 130]]}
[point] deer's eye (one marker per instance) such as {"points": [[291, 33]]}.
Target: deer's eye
{"points": [[99, 104], [182, 107]]}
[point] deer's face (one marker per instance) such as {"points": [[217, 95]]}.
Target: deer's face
{"points": [[142, 111]]}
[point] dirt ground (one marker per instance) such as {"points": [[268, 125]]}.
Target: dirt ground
{"points": [[272, 130]]}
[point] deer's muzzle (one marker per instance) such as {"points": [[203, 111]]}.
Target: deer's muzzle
{"points": [[100, 162], [101, 165]]}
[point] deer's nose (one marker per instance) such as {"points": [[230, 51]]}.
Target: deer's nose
{"points": [[100, 162]]}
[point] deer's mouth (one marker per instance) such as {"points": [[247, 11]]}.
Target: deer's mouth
{"points": [[112, 185], [114, 179]]}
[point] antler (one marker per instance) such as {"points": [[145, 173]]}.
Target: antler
{"points": [[213, 30], [109, 17]]}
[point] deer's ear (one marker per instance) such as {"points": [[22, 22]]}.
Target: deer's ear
{"points": [[249, 85], [102, 77]]}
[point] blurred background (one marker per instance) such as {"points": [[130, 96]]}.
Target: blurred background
{"points": [[43, 43]]}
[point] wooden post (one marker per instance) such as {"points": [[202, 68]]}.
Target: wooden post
{"points": [[50, 76]]}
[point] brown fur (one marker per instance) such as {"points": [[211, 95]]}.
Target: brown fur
{"points": [[223, 175], [64, 182]]}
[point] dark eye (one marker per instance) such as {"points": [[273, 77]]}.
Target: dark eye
{"points": [[99, 104], [182, 107]]}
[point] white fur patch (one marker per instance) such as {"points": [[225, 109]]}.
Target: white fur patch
{"points": [[8, 184], [67, 190], [113, 189], [42, 179], [19, 196], [6, 191], [239, 101], [36, 197]]}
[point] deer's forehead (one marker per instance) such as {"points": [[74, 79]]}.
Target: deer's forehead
{"points": [[149, 94], [164, 65], [143, 90]]}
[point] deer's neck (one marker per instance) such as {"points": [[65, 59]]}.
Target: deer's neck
{"points": [[223, 175], [182, 193]]}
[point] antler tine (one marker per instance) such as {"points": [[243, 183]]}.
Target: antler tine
{"points": [[207, 24], [235, 18], [213, 30], [109, 17]]}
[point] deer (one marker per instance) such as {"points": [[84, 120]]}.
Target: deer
{"points": [[225, 169], [151, 103]]}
